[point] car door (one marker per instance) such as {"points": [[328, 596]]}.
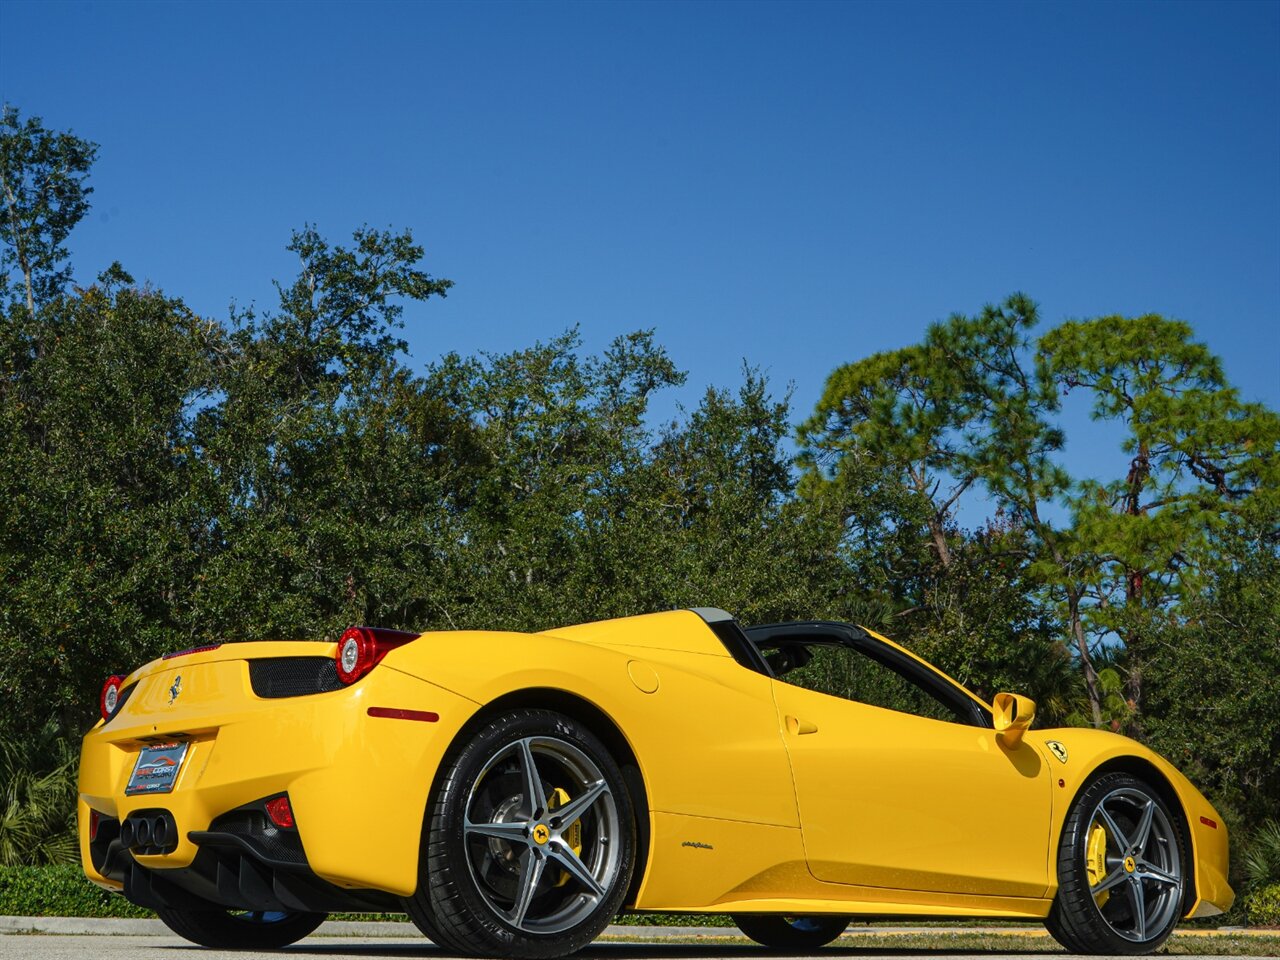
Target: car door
{"points": [[908, 800]]}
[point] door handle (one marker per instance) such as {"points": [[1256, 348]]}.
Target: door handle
{"points": [[800, 727]]}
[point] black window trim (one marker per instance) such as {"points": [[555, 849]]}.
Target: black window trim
{"points": [[859, 639]]}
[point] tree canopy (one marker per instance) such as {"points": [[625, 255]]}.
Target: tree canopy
{"points": [[173, 479]]}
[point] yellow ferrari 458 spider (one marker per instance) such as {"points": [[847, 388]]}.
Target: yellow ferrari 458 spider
{"points": [[513, 792]]}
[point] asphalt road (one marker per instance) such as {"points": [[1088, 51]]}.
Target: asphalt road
{"points": [[107, 947]]}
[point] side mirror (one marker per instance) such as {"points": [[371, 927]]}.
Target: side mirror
{"points": [[1013, 715]]}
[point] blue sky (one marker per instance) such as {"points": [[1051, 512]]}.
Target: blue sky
{"points": [[797, 185]]}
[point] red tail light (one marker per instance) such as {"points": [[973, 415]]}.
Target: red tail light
{"points": [[281, 813], [110, 697], [362, 648]]}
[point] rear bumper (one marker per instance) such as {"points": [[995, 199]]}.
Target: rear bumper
{"points": [[358, 784]]}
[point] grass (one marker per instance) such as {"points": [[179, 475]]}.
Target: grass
{"points": [[1015, 942]]}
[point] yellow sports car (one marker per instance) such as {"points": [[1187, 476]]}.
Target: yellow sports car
{"points": [[513, 792]]}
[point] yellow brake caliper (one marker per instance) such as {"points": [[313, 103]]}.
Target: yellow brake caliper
{"points": [[573, 835], [1095, 861]]}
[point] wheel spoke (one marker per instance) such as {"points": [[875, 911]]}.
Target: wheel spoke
{"points": [[517, 848], [530, 874], [574, 809], [1109, 881], [1139, 901], [514, 833], [1152, 872], [532, 782], [1144, 828], [1113, 828], [563, 855]]}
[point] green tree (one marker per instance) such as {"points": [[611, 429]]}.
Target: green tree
{"points": [[1199, 458], [968, 405], [1212, 703], [897, 409], [310, 483], [42, 176], [99, 518]]}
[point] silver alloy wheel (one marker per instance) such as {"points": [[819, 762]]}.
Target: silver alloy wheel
{"points": [[1143, 865], [534, 802]]}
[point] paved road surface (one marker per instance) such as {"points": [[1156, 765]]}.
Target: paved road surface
{"points": [[14, 946]]}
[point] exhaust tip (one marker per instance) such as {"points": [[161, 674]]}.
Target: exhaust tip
{"points": [[150, 832]]}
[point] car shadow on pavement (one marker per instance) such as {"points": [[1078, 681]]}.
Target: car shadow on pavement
{"points": [[599, 951]]}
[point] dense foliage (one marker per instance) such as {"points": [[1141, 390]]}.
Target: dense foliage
{"points": [[173, 479]]}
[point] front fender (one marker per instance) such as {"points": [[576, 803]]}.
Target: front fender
{"points": [[1081, 754]]}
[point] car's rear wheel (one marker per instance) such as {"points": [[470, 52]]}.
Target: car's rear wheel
{"points": [[791, 933], [531, 839], [1121, 870], [240, 929]]}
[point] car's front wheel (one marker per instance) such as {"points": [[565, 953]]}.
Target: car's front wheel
{"points": [[1121, 869], [240, 929], [791, 933], [531, 839]]}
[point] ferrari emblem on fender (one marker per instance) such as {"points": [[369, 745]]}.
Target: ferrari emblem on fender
{"points": [[1057, 749], [175, 689]]}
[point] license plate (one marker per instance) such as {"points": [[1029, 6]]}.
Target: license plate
{"points": [[157, 769]]}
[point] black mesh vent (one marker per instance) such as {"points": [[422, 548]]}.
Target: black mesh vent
{"points": [[293, 676], [282, 846]]}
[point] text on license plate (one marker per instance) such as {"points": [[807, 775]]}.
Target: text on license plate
{"points": [[157, 769]]}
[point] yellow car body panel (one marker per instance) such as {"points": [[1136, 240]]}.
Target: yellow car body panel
{"points": [[356, 783], [915, 810], [743, 803], [1087, 751]]}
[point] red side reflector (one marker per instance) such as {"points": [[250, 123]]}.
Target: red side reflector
{"points": [[281, 813], [94, 817], [392, 713], [1209, 823]]}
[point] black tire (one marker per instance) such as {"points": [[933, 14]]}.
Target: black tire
{"points": [[240, 930], [423, 915], [1133, 867], [790, 933], [503, 875]]}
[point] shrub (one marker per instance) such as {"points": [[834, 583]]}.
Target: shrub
{"points": [[1262, 856], [1264, 906], [37, 801], [59, 891]]}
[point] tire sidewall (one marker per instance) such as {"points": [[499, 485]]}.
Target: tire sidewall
{"points": [[451, 874]]}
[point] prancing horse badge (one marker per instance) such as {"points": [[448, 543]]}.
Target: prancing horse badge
{"points": [[1057, 749]]}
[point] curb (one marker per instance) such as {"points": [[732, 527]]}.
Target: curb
{"points": [[114, 926]]}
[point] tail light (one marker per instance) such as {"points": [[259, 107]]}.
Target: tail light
{"points": [[110, 698], [281, 813], [362, 648]]}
